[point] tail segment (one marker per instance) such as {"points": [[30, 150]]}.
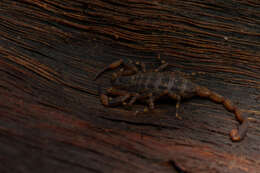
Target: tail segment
{"points": [[235, 134]]}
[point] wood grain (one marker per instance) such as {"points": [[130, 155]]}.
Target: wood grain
{"points": [[51, 119]]}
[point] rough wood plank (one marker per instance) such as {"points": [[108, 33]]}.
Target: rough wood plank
{"points": [[51, 119]]}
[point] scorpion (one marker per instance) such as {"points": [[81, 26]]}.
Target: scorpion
{"points": [[133, 82]]}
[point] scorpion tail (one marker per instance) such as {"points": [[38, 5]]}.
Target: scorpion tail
{"points": [[235, 134]]}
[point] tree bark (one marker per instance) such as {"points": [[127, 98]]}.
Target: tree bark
{"points": [[51, 118]]}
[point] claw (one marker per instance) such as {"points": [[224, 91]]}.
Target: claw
{"points": [[111, 66]]}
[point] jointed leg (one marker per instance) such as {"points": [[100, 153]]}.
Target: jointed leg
{"points": [[118, 100], [147, 97], [130, 67], [142, 65], [108, 101], [177, 109], [151, 101], [178, 99], [133, 99], [150, 98], [162, 66]]}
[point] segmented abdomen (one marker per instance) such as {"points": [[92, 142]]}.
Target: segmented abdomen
{"points": [[155, 82]]}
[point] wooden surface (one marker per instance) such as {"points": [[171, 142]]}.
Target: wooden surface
{"points": [[51, 118]]}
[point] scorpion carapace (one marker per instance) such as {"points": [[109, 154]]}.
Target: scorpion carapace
{"points": [[129, 85]]}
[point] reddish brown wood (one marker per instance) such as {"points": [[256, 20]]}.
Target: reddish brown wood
{"points": [[51, 118]]}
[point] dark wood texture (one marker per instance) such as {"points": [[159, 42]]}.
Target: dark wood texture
{"points": [[51, 118]]}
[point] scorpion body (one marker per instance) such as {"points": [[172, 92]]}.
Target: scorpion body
{"points": [[130, 85], [157, 83]]}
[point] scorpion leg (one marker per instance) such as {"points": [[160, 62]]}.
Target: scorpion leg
{"points": [[118, 100], [148, 98], [130, 68], [235, 134], [178, 99], [151, 98], [142, 65], [151, 101], [162, 66], [108, 101], [135, 97]]}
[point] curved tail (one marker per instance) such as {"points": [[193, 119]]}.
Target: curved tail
{"points": [[235, 134]]}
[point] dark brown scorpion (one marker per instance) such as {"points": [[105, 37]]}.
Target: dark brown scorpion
{"points": [[130, 84]]}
